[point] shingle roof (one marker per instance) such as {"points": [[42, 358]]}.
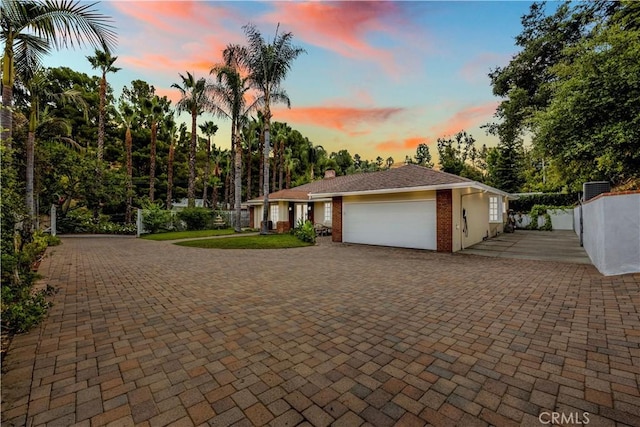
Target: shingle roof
{"points": [[407, 176], [404, 177], [302, 192]]}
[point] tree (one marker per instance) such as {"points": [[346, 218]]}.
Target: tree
{"points": [[104, 61], [389, 162], [153, 110], [268, 64], [591, 125], [230, 96], [423, 157], [127, 117], [31, 28], [195, 99], [458, 156], [209, 129]]}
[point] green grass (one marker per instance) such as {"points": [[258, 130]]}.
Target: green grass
{"points": [[271, 241], [174, 235]]}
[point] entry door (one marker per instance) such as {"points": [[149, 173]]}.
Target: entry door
{"points": [[301, 213]]}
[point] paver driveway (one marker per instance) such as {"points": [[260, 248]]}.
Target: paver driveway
{"points": [[151, 333]]}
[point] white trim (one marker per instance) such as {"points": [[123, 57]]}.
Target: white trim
{"points": [[477, 185]]}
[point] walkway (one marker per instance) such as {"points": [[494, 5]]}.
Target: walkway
{"points": [[557, 245], [153, 334]]}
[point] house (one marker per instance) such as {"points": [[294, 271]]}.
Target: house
{"points": [[410, 206]]}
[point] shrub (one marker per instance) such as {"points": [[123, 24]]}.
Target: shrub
{"points": [[195, 218], [305, 231], [155, 218], [526, 203]]}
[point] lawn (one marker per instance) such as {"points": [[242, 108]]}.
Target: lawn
{"points": [[175, 235], [271, 241]]}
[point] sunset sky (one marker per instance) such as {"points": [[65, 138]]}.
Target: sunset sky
{"points": [[378, 78]]}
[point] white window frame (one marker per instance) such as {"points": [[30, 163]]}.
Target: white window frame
{"points": [[274, 213], [328, 211], [495, 206]]}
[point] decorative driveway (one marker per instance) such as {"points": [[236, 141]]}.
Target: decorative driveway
{"points": [[149, 333]]}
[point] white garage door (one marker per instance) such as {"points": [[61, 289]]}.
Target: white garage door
{"points": [[406, 224]]}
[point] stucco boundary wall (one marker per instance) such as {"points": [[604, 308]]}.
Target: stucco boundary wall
{"points": [[611, 231]]}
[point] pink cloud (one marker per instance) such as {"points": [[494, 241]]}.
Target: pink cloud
{"points": [[410, 143], [478, 68], [343, 27], [465, 119], [344, 119]]}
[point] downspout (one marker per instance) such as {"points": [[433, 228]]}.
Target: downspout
{"points": [[462, 209]]}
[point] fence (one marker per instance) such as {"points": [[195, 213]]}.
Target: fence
{"points": [[561, 219], [229, 218], [610, 225]]}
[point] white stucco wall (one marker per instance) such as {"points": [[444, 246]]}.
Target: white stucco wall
{"points": [[476, 205], [611, 236]]}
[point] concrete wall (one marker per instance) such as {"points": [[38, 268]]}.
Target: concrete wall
{"points": [[611, 232]]}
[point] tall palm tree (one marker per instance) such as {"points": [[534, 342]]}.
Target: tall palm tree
{"points": [[154, 112], [102, 60], [30, 28], [174, 133], [269, 64], [230, 94], [127, 117], [39, 94], [209, 129], [195, 99]]}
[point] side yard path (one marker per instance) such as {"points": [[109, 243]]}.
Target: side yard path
{"points": [[152, 334]]}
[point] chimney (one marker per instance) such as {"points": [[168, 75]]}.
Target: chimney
{"points": [[329, 173]]}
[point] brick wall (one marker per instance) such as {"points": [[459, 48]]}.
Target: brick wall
{"points": [[336, 219], [444, 222], [283, 227]]}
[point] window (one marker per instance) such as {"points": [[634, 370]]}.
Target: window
{"points": [[327, 212], [494, 209], [274, 214]]}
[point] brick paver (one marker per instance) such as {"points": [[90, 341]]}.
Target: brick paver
{"points": [[150, 333]]}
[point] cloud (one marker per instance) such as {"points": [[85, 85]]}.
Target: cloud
{"points": [[346, 27], [410, 143], [176, 36], [344, 119], [465, 119], [477, 69]]}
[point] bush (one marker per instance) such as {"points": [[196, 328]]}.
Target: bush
{"points": [[195, 218], [305, 231], [526, 203], [81, 220], [155, 218]]}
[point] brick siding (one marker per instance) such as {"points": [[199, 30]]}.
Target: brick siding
{"points": [[444, 221], [336, 219]]}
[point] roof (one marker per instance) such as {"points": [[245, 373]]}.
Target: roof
{"points": [[302, 192], [405, 178]]}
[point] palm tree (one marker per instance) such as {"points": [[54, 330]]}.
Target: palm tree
{"points": [[230, 94], [30, 28], [209, 129], [104, 61], [37, 85], [268, 64], [195, 99], [173, 131], [128, 116], [154, 110]]}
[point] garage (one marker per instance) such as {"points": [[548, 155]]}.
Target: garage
{"points": [[406, 224]]}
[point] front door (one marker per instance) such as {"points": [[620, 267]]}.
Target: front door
{"points": [[301, 213]]}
